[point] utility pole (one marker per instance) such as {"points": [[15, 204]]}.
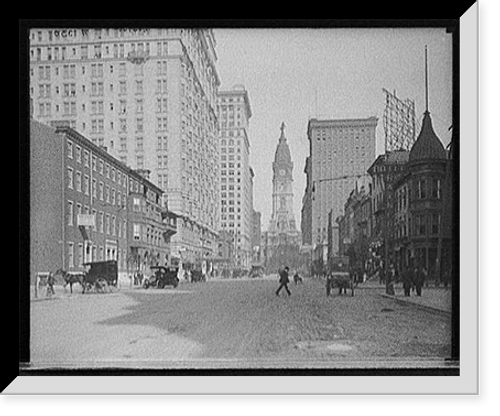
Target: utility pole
{"points": [[389, 283]]}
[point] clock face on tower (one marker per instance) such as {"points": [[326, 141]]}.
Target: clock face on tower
{"points": [[282, 172]]}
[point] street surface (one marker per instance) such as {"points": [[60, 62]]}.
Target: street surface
{"points": [[236, 323]]}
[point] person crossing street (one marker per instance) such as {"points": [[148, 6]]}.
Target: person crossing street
{"points": [[284, 280]]}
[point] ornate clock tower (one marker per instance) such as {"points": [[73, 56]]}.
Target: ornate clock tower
{"points": [[281, 243], [282, 218]]}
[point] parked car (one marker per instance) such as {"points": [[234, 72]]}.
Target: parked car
{"points": [[162, 276]]}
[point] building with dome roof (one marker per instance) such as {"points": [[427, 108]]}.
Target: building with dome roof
{"points": [[420, 198]]}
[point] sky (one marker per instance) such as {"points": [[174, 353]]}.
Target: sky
{"points": [[292, 75]]}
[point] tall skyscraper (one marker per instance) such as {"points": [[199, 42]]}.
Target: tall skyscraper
{"points": [[149, 97], [236, 175], [341, 151]]}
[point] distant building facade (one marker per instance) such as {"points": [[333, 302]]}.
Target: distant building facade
{"points": [[340, 152], [256, 237], [236, 175], [355, 227], [385, 171], [151, 227], [306, 212]]}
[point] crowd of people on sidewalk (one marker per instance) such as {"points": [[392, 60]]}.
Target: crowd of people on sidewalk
{"points": [[412, 277]]}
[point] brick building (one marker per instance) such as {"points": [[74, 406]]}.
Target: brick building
{"points": [[80, 203]]}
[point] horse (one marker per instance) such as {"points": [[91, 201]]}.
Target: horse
{"points": [[342, 282], [70, 278]]}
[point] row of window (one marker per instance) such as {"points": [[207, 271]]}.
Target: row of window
{"points": [[69, 72], [105, 223], [70, 90], [230, 195], [98, 165], [99, 191], [423, 189], [237, 133], [110, 225], [162, 145], [230, 225], [230, 165], [81, 183], [97, 125], [230, 150], [422, 225], [147, 234], [230, 100], [230, 157], [68, 34], [93, 253], [97, 51]]}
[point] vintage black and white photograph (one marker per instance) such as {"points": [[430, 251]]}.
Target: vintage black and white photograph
{"points": [[243, 198]]}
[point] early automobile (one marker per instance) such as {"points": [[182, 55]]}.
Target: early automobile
{"points": [[162, 276], [339, 276]]}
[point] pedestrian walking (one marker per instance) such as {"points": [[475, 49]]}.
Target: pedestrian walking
{"points": [[419, 278], [390, 278], [284, 280], [50, 284], [296, 278], [407, 280]]}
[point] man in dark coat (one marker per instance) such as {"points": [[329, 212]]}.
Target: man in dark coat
{"points": [[50, 284], [419, 278], [407, 281], [284, 280]]}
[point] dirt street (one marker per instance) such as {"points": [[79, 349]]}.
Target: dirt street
{"points": [[235, 323]]}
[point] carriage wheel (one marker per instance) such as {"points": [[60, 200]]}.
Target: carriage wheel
{"points": [[101, 285]]}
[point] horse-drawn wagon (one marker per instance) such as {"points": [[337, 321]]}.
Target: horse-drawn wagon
{"points": [[101, 276], [339, 276]]}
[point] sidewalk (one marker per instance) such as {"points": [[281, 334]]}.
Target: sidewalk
{"points": [[438, 299], [435, 298]]}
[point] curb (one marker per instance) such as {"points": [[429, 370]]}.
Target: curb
{"points": [[418, 305]]}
